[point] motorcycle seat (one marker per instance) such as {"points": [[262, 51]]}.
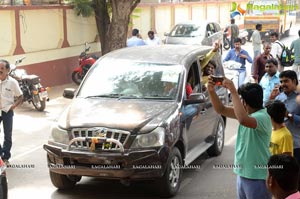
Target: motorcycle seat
{"points": [[31, 79]]}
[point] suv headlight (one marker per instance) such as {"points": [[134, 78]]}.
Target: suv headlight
{"points": [[153, 139], [59, 135]]}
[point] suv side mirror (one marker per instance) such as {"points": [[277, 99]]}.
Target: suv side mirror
{"points": [[195, 98], [209, 33], [69, 93]]}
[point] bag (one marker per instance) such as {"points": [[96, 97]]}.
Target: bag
{"points": [[287, 56]]}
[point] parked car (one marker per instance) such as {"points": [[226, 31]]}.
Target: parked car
{"points": [[130, 119], [190, 32]]}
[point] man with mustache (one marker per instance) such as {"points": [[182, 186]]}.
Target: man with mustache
{"points": [[9, 90], [270, 79], [288, 84], [259, 69]]}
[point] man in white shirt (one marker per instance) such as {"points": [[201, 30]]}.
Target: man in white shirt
{"points": [[152, 39], [256, 42], [276, 48], [9, 90], [135, 40]]}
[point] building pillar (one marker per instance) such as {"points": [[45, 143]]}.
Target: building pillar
{"points": [[18, 49], [65, 41]]}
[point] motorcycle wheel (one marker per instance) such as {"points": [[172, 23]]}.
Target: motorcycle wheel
{"points": [[76, 77], [38, 104], [244, 41], [226, 44]]}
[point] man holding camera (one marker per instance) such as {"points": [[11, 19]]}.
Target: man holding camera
{"points": [[253, 136]]}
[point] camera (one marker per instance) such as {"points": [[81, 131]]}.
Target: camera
{"points": [[279, 87], [218, 79]]}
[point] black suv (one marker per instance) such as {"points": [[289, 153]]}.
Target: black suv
{"points": [[130, 119]]}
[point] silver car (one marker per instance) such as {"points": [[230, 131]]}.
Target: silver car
{"points": [[203, 33]]}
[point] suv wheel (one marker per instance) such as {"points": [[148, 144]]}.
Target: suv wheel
{"points": [[217, 147], [63, 181], [169, 184]]}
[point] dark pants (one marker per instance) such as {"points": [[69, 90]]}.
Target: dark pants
{"points": [[297, 156], [7, 119], [232, 43]]}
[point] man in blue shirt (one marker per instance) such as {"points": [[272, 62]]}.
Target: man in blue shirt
{"points": [[270, 78], [239, 55], [135, 40], [289, 82]]}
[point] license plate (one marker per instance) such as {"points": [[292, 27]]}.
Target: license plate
{"points": [[43, 94]]}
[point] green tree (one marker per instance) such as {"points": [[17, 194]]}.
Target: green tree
{"points": [[112, 19]]}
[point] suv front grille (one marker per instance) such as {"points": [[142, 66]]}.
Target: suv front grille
{"points": [[121, 136]]}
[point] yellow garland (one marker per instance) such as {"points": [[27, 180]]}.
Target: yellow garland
{"points": [[94, 142]]}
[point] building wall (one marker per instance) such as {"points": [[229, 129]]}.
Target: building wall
{"points": [[7, 32], [51, 38]]}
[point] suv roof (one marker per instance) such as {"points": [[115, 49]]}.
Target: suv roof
{"points": [[165, 54]]}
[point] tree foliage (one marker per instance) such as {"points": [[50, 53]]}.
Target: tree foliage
{"points": [[112, 19]]}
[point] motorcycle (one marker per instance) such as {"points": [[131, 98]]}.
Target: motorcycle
{"points": [[33, 91], [232, 72], [226, 41], [243, 35], [238, 76], [85, 62]]}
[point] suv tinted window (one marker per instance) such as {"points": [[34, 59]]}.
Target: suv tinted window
{"points": [[122, 78]]}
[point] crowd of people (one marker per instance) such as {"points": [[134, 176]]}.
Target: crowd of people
{"points": [[268, 112], [136, 39]]}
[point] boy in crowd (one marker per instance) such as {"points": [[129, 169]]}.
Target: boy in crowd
{"points": [[283, 176], [281, 138]]}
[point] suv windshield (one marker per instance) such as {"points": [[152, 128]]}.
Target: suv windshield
{"points": [[186, 30], [127, 79]]}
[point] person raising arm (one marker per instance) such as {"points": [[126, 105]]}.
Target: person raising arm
{"points": [[253, 136]]}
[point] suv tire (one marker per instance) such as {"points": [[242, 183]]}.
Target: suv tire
{"points": [[217, 147], [169, 184], [63, 181]]}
